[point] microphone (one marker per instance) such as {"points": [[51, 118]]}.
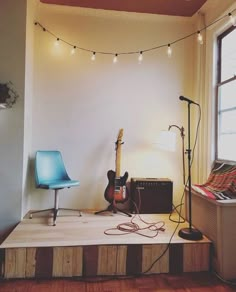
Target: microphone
{"points": [[187, 99]]}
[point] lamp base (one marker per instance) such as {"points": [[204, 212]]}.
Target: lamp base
{"points": [[190, 234]]}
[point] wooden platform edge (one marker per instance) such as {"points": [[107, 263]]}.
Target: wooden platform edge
{"points": [[104, 260]]}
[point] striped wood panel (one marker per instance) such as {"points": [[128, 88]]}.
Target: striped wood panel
{"points": [[76, 261], [112, 260], [15, 263], [152, 253], [30, 262], [196, 257], [67, 261], [2, 262]]}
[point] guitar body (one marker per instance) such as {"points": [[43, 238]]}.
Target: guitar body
{"points": [[116, 190]]}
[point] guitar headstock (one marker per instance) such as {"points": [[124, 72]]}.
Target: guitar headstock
{"points": [[120, 134], [119, 137]]}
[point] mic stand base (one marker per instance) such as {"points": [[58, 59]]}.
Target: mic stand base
{"points": [[190, 234]]}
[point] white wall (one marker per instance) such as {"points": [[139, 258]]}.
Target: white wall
{"points": [[79, 106], [12, 68]]}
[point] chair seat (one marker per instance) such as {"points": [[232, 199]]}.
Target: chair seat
{"points": [[58, 184]]}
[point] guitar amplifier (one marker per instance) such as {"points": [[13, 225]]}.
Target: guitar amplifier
{"points": [[151, 195]]}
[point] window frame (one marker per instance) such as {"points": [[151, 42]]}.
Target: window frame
{"points": [[218, 85]]}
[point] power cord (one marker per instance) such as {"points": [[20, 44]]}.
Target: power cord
{"points": [[132, 227], [223, 280]]}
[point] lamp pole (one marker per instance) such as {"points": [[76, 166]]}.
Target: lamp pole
{"points": [[189, 233], [182, 137]]}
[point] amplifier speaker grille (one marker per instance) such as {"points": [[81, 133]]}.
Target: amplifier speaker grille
{"points": [[151, 195]]}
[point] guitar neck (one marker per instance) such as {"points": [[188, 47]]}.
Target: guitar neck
{"points": [[118, 159]]}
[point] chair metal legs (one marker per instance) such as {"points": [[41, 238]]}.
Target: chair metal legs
{"points": [[39, 211], [56, 208]]}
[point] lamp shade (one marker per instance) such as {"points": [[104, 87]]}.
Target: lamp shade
{"points": [[167, 141]]}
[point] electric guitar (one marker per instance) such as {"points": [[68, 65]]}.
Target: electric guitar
{"points": [[116, 191]]}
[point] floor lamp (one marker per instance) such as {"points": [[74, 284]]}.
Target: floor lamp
{"points": [[167, 141], [182, 137], [189, 233]]}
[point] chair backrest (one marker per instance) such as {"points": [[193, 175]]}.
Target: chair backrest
{"points": [[49, 166]]}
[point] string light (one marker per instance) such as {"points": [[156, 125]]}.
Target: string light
{"points": [[57, 42], [93, 58], [199, 37], [73, 50], [140, 57], [115, 59], [232, 19], [169, 49]]}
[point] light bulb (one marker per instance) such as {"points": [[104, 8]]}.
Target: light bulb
{"points": [[115, 59], [140, 57], [232, 19], [169, 51], [73, 50], [57, 42], [93, 58], [199, 38]]}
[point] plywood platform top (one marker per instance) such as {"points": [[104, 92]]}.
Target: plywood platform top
{"points": [[89, 230]]}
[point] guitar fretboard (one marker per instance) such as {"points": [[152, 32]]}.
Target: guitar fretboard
{"points": [[118, 158]]}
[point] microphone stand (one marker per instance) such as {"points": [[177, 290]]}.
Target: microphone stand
{"points": [[189, 233]]}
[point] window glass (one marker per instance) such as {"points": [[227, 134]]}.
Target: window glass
{"points": [[226, 97], [226, 147], [228, 65], [227, 122]]}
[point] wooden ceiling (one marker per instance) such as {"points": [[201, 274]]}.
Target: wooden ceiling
{"points": [[165, 7]]}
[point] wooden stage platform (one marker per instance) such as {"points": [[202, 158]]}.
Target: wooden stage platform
{"points": [[78, 247]]}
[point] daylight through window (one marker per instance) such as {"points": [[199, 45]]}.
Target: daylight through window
{"points": [[226, 96]]}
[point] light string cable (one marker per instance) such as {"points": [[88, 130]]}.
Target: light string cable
{"points": [[139, 52]]}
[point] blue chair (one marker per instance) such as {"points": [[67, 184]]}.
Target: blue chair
{"points": [[50, 173]]}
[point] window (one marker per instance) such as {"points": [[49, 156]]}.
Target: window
{"points": [[226, 96]]}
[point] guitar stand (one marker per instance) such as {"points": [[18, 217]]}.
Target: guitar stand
{"points": [[113, 209]]}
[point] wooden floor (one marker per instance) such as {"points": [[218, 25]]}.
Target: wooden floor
{"points": [[89, 230], [187, 282]]}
